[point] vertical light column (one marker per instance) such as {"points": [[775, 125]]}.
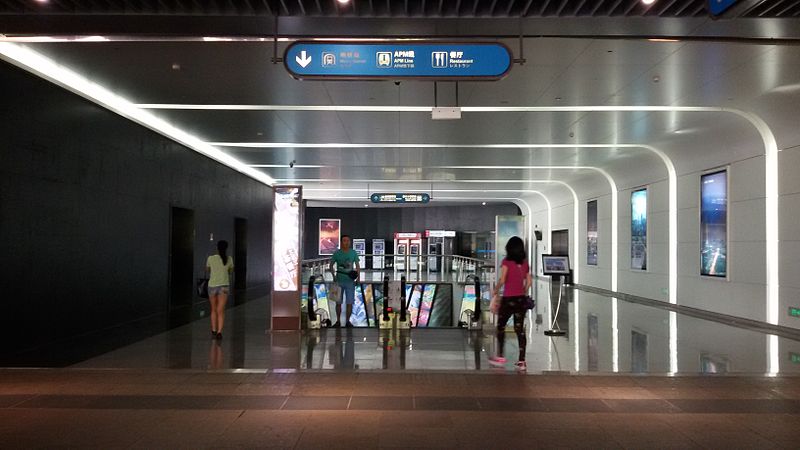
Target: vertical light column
{"points": [[576, 304], [673, 342], [614, 335], [286, 260]]}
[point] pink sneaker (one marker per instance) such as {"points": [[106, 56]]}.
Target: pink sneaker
{"points": [[497, 361], [521, 366]]}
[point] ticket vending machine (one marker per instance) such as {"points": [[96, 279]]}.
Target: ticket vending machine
{"points": [[440, 243], [360, 246], [378, 250], [407, 244]]}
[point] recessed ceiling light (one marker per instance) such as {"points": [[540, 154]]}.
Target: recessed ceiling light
{"points": [[484, 203], [343, 2], [176, 66], [648, 2]]}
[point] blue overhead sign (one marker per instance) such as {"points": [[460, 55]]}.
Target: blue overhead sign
{"points": [[717, 7], [400, 198], [392, 60]]}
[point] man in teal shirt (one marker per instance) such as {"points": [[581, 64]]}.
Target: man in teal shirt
{"points": [[344, 263]]}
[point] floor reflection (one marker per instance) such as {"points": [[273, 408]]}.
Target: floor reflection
{"points": [[604, 335]]}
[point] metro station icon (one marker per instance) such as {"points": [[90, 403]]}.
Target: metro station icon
{"points": [[439, 60], [384, 59], [328, 59]]}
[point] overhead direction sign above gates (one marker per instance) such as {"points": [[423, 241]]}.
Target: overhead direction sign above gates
{"points": [[393, 60], [400, 198]]}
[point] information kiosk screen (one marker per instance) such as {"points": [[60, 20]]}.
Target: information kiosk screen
{"points": [[555, 265]]}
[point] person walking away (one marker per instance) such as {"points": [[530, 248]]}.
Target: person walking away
{"points": [[345, 269], [515, 280], [220, 267]]}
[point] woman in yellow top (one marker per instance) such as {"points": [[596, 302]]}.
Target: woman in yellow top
{"points": [[219, 267]]}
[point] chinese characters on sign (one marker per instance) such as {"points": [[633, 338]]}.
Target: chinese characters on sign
{"points": [[399, 59], [400, 198]]}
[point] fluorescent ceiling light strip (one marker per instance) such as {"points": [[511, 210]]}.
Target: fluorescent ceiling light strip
{"points": [[398, 108], [46, 68], [415, 146]]}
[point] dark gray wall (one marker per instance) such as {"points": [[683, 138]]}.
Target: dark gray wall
{"points": [[85, 201], [377, 223]]}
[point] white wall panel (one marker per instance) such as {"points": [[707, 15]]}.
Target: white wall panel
{"points": [[788, 164], [746, 221], [746, 180]]}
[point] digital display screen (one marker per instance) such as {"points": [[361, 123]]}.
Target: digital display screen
{"points": [[639, 229], [329, 232], [555, 265], [714, 224], [506, 228], [286, 244], [591, 233]]}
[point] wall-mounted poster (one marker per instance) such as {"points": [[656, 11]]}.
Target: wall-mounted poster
{"points": [[639, 229], [329, 234], [591, 233], [286, 245], [714, 224]]}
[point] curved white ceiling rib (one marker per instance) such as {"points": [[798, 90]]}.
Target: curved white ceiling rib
{"points": [[670, 166], [575, 202], [770, 148], [516, 200]]}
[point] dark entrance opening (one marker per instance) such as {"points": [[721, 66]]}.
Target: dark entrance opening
{"points": [[181, 262], [240, 254], [560, 243]]}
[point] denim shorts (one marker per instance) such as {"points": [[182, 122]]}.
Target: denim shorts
{"points": [[347, 293], [216, 290]]}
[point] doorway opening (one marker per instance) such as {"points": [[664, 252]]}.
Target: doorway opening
{"points": [[560, 243], [240, 254], [181, 260]]}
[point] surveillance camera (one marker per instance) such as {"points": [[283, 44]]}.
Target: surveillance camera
{"points": [[291, 164], [397, 83]]}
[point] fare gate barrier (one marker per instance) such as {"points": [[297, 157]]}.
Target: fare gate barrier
{"points": [[387, 317], [471, 320], [404, 322], [315, 314]]}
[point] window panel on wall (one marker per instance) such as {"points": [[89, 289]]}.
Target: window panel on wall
{"points": [[591, 233], [714, 224], [639, 229]]}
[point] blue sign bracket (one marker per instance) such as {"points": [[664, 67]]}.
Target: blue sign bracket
{"points": [[398, 59]]}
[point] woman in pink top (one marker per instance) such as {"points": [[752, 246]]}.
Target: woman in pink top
{"points": [[515, 278]]}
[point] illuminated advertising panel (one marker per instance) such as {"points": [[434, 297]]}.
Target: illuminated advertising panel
{"points": [[591, 233], [286, 239], [714, 224], [639, 229], [507, 227], [329, 235]]}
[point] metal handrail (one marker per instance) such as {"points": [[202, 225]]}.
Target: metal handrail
{"points": [[390, 255]]}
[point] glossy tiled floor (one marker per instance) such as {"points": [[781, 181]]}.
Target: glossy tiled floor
{"points": [[196, 409], [644, 340], [601, 386]]}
